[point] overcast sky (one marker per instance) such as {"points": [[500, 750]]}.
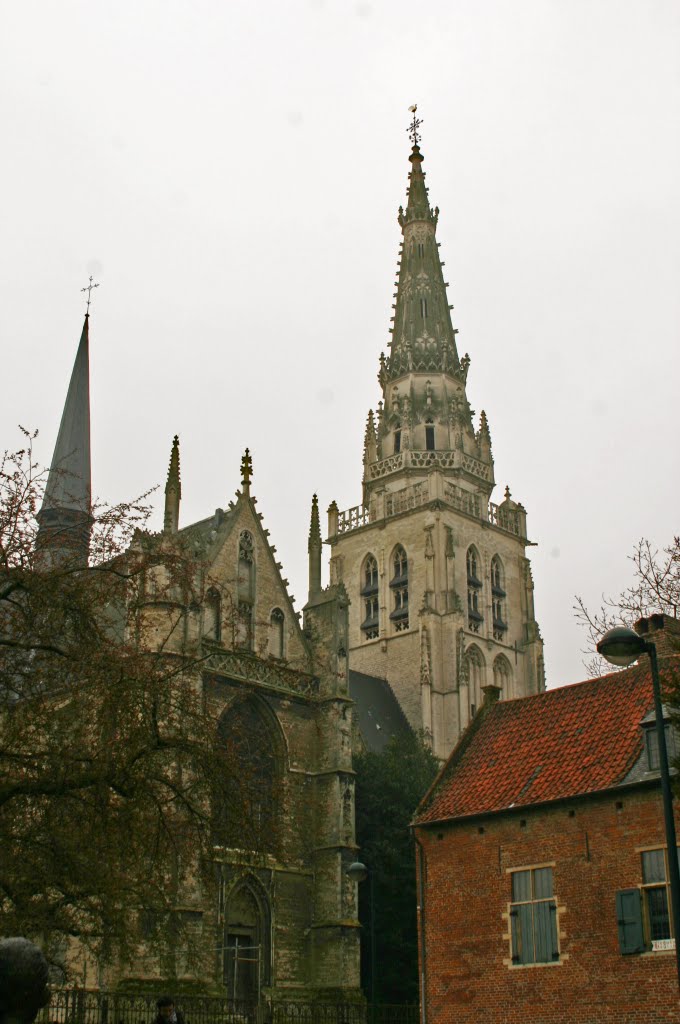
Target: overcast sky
{"points": [[231, 172]]}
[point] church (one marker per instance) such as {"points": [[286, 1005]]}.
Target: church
{"points": [[430, 599]]}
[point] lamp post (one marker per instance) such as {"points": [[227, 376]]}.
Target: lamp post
{"points": [[358, 872], [622, 646]]}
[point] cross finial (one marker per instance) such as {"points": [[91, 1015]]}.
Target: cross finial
{"points": [[246, 470], [89, 293], [414, 125]]}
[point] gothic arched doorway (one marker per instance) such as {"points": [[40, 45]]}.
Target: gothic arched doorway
{"points": [[246, 943]]}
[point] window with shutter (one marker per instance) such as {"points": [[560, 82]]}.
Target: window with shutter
{"points": [[533, 917], [629, 920]]}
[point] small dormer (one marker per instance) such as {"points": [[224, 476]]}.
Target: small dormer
{"points": [[651, 740]]}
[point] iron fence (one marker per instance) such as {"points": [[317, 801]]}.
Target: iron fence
{"points": [[78, 1006]]}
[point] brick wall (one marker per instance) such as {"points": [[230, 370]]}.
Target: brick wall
{"points": [[593, 846]]}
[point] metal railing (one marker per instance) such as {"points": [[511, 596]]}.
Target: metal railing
{"points": [[78, 1006]]}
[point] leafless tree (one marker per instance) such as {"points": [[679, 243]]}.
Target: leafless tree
{"points": [[110, 758], [655, 588]]}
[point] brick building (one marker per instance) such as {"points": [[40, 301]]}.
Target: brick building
{"points": [[542, 862]]}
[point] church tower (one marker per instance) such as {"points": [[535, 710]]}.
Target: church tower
{"points": [[437, 575]]}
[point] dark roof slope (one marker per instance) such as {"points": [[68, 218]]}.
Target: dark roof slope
{"points": [[378, 711], [563, 743]]}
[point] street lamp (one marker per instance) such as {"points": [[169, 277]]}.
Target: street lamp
{"points": [[358, 872], [622, 646]]}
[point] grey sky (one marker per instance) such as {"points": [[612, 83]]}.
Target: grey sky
{"points": [[230, 172]]}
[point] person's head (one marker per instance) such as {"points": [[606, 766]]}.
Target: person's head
{"points": [[24, 976], [166, 1006]]}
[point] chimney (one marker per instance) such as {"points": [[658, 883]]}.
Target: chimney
{"points": [[663, 631]]}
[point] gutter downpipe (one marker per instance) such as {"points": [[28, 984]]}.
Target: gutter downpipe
{"points": [[422, 868]]}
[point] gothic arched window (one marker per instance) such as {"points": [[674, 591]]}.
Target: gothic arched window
{"points": [[476, 669], [500, 624], [245, 591], [429, 435], [277, 622], [212, 616], [399, 588], [371, 601], [246, 951], [502, 675], [397, 439], [247, 794], [474, 590]]}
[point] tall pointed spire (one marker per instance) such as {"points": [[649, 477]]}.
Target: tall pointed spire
{"points": [[423, 335], [65, 517], [314, 549], [173, 491]]}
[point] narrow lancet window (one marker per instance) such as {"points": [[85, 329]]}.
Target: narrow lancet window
{"points": [[399, 588], [371, 602], [500, 625], [423, 308], [212, 617], [246, 591], [276, 632], [474, 591], [429, 435], [397, 439]]}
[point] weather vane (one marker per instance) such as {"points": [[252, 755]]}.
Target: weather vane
{"points": [[89, 293], [414, 126]]}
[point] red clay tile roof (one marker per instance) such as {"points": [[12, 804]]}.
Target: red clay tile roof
{"points": [[562, 743]]}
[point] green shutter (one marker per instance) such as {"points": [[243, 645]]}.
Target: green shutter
{"points": [[629, 918]]}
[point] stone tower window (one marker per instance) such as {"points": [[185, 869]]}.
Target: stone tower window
{"points": [[399, 588], [421, 250], [212, 616], [277, 621], [245, 591], [500, 625], [502, 675], [429, 435], [476, 670], [397, 439], [369, 595], [423, 308], [474, 590]]}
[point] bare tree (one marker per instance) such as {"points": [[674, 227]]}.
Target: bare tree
{"points": [[110, 759], [655, 588]]}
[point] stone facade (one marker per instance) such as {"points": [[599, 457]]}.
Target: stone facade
{"points": [[440, 586], [281, 922]]}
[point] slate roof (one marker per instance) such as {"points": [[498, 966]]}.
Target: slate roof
{"points": [[379, 714], [563, 743], [69, 480]]}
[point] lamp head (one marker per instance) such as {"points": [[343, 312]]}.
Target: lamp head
{"points": [[357, 871], [621, 646]]}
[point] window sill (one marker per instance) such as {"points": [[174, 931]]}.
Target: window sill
{"points": [[524, 967]]}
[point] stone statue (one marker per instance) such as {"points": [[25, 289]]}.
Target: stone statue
{"points": [[24, 985]]}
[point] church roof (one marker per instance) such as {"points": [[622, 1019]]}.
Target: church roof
{"points": [[69, 484], [378, 711], [566, 742]]}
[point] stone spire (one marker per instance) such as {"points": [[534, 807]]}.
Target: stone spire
{"points": [[423, 336], [65, 517], [173, 491], [314, 549], [424, 406]]}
